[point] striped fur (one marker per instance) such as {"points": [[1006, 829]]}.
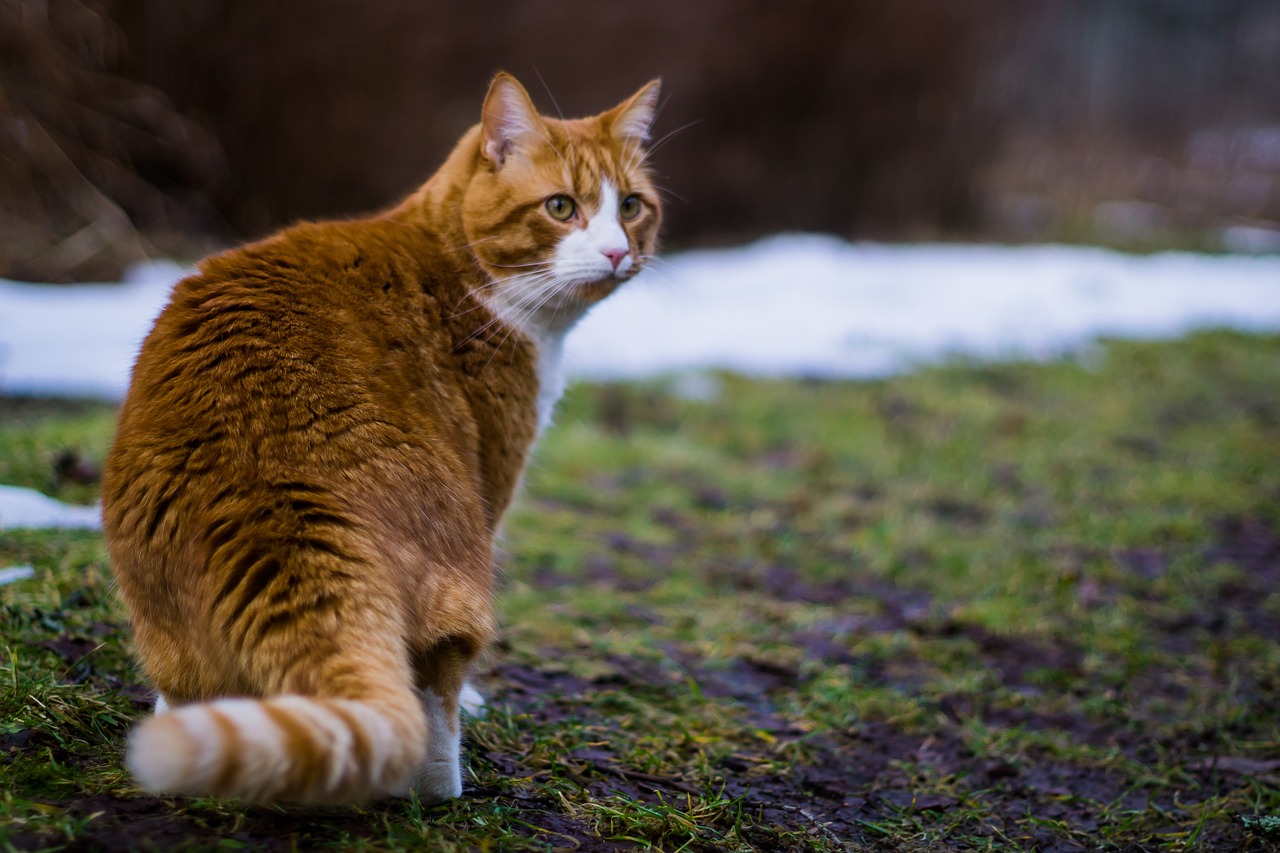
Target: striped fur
{"points": [[321, 436], [288, 747]]}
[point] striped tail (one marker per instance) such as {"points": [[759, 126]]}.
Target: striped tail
{"points": [[297, 748]]}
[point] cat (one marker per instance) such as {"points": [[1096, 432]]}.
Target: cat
{"points": [[322, 433]]}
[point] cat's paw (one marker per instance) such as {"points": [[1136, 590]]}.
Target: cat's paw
{"points": [[162, 705], [471, 702], [438, 780]]}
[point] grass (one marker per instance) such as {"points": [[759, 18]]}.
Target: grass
{"points": [[1007, 606]]}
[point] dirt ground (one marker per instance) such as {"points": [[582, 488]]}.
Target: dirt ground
{"points": [[850, 782], [998, 608]]}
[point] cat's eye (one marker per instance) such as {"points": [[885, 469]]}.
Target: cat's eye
{"points": [[561, 207], [630, 207]]}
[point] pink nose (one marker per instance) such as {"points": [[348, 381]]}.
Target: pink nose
{"points": [[615, 256]]}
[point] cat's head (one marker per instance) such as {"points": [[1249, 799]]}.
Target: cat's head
{"points": [[560, 212]]}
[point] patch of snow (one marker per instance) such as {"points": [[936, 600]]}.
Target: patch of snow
{"points": [[79, 339], [27, 508], [13, 574], [817, 306], [792, 305], [785, 306]]}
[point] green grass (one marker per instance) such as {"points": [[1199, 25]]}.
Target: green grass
{"points": [[1005, 606]]}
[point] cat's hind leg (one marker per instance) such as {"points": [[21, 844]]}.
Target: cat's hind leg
{"points": [[445, 693], [439, 777]]}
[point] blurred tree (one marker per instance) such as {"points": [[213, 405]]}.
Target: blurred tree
{"points": [[852, 117], [89, 158], [124, 121]]}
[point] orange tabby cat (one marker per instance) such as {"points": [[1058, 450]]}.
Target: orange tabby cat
{"points": [[323, 432]]}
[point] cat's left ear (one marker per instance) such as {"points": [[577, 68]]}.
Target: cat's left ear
{"points": [[632, 118], [508, 118]]}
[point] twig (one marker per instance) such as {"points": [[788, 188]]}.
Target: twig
{"points": [[821, 827]]}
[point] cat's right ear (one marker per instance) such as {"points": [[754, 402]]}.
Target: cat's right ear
{"points": [[508, 118]]}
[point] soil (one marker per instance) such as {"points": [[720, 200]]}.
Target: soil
{"points": [[847, 781]]}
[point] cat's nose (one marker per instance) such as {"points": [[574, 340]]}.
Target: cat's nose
{"points": [[615, 256]]}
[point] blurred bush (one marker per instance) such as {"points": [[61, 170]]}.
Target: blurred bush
{"points": [[96, 167], [850, 116], [1143, 124], [129, 127]]}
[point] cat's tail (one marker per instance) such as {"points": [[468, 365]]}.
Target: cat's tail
{"points": [[297, 748]]}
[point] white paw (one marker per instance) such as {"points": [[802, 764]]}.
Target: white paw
{"points": [[438, 780], [162, 705], [471, 702], [440, 776]]}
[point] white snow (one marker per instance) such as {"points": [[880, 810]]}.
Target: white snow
{"points": [[13, 574], [788, 305], [79, 339], [817, 306], [28, 508]]}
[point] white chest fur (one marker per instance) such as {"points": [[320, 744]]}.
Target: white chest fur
{"points": [[551, 379]]}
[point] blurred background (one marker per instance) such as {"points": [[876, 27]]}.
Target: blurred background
{"points": [[154, 128]]}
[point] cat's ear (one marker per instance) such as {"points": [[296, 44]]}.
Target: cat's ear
{"points": [[508, 118], [632, 118]]}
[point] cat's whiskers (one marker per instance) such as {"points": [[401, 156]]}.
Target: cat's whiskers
{"points": [[456, 314], [529, 302], [556, 288], [475, 243], [657, 111], [528, 293], [640, 154], [668, 193], [635, 160], [549, 94], [514, 280], [663, 270], [479, 303], [667, 137], [520, 266], [488, 300], [494, 305], [525, 307]]}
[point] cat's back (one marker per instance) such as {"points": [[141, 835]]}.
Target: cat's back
{"points": [[316, 359], [297, 401], [269, 327]]}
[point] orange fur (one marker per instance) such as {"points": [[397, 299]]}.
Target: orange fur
{"points": [[322, 434]]}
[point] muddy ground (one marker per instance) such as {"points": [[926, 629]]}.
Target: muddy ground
{"points": [[848, 784]]}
